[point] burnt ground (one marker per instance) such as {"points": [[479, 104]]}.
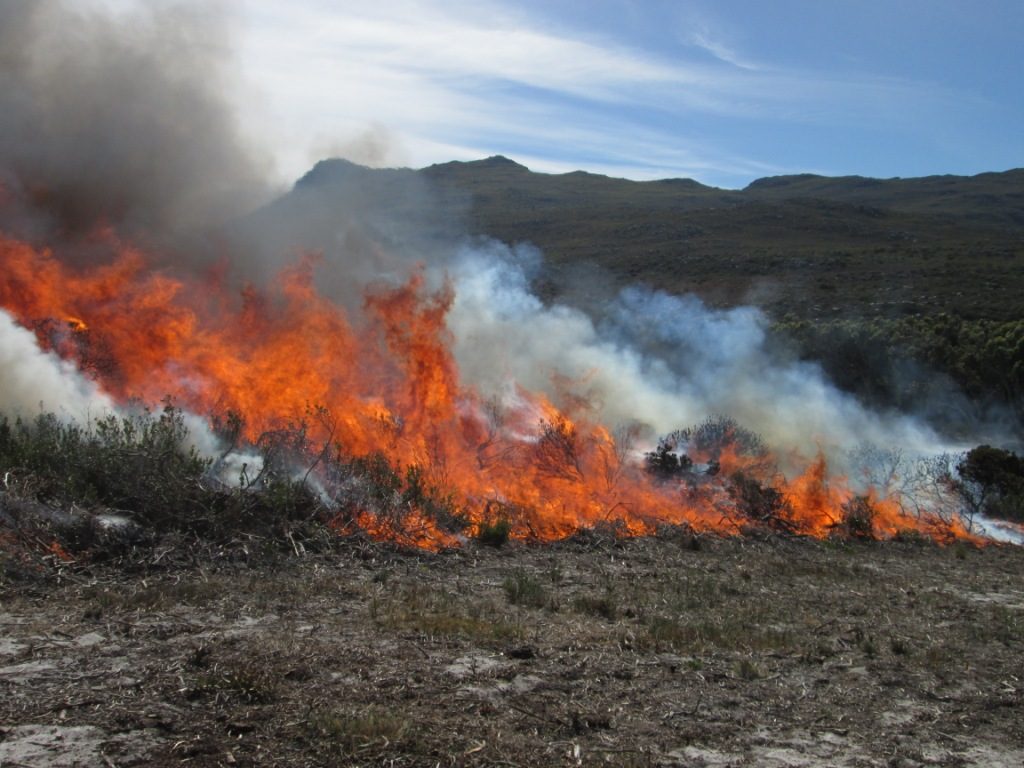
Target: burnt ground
{"points": [[593, 651]]}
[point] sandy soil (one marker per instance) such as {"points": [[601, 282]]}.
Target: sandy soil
{"points": [[656, 652]]}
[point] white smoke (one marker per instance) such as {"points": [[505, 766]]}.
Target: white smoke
{"points": [[656, 360], [33, 381]]}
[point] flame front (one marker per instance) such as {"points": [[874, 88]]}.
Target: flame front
{"points": [[383, 384]]}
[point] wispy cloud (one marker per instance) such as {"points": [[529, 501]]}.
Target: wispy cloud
{"points": [[703, 39], [451, 75]]}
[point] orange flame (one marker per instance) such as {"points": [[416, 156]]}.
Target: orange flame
{"points": [[388, 385]]}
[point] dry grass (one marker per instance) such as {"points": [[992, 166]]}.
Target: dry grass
{"points": [[374, 658]]}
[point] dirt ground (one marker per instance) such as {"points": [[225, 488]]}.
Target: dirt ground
{"points": [[670, 651]]}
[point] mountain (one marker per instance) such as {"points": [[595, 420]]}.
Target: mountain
{"points": [[809, 245]]}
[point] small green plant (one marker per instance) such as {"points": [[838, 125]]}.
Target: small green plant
{"points": [[899, 646], [604, 605], [248, 684], [747, 670], [356, 731], [912, 536], [869, 647], [523, 589], [663, 632], [960, 549], [437, 613], [938, 658], [494, 534]]}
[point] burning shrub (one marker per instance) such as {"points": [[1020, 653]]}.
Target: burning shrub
{"points": [[760, 504], [716, 433], [858, 519], [494, 534], [431, 500], [665, 462], [416, 427], [381, 489], [707, 441], [557, 451]]}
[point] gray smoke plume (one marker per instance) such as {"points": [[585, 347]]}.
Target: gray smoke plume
{"points": [[119, 119], [367, 225], [656, 360]]}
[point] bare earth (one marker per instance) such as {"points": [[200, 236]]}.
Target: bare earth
{"points": [[594, 651]]}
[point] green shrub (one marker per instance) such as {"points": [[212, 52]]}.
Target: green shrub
{"points": [[355, 731], [142, 465], [992, 482], [605, 606], [137, 463], [494, 534], [522, 589]]}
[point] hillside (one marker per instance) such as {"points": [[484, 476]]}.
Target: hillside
{"points": [[807, 244]]}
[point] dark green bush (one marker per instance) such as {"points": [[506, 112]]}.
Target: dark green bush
{"points": [[494, 534], [136, 463], [901, 362], [992, 482], [142, 465], [759, 503], [523, 589]]}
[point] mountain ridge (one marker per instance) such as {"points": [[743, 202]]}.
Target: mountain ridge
{"points": [[804, 244]]}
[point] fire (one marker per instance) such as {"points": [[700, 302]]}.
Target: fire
{"points": [[386, 384]]}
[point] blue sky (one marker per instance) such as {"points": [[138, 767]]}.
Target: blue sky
{"points": [[724, 92]]}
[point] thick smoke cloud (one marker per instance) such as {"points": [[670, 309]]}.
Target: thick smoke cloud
{"points": [[119, 119], [659, 361]]}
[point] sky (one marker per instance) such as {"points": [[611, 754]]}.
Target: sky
{"points": [[723, 91]]}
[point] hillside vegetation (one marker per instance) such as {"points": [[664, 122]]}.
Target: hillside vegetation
{"points": [[815, 246]]}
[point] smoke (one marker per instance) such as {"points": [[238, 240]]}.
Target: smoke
{"points": [[654, 360], [374, 147], [33, 381], [120, 119], [367, 226]]}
